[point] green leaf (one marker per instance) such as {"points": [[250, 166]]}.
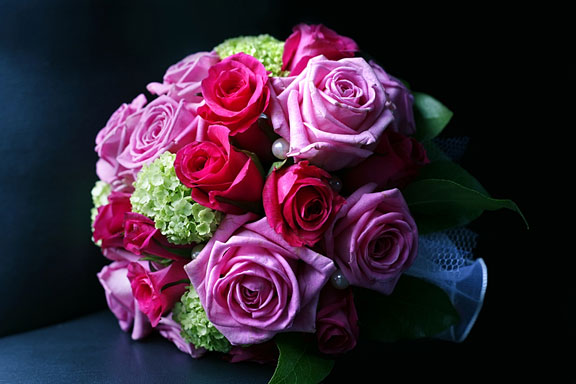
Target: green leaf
{"points": [[439, 204], [449, 170], [431, 116], [276, 165], [255, 159], [434, 152], [298, 362], [416, 309]]}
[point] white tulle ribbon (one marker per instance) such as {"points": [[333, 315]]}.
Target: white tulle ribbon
{"points": [[446, 260]]}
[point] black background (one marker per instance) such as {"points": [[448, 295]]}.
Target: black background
{"points": [[66, 65]]}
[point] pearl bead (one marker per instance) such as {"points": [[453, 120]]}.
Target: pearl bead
{"points": [[196, 250], [338, 280], [336, 184], [280, 148]]}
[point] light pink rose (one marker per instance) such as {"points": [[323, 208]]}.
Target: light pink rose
{"points": [[183, 80], [171, 330], [308, 41], [163, 125], [374, 239], [111, 141], [333, 113], [253, 284], [402, 99], [114, 280]]}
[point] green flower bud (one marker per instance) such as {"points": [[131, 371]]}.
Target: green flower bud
{"points": [[100, 193], [159, 194], [196, 328], [265, 48]]}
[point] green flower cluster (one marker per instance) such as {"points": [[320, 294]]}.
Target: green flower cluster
{"points": [[196, 328], [100, 193], [159, 194], [265, 48]]}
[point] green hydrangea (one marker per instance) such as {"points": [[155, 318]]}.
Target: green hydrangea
{"points": [[159, 194], [265, 48], [100, 193], [196, 328]]}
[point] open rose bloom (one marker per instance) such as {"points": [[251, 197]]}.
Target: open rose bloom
{"points": [[293, 191]]}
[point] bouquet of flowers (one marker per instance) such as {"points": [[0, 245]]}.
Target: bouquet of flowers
{"points": [[275, 200]]}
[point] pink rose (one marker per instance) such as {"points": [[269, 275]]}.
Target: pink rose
{"points": [[235, 92], [397, 158], [163, 125], [221, 177], [119, 254], [336, 321], [111, 141], [374, 239], [150, 289], [300, 204], [119, 297], [402, 100], [109, 222], [171, 330], [333, 113], [308, 41], [141, 237], [253, 284], [183, 80]]}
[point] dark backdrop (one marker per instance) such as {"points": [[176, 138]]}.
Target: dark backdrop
{"points": [[65, 66]]}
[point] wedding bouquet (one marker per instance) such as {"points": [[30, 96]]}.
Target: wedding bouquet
{"points": [[273, 201]]}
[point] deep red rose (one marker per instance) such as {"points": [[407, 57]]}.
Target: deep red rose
{"points": [[300, 204], [397, 159], [109, 222], [220, 176], [235, 92], [336, 321]]}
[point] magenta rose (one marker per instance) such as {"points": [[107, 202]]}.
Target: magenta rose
{"points": [[397, 158], [308, 41], [263, 353], [374, 239], [150, 289], [119, 297], [141, 237], [183, 80], [300, 204], [111, 141], [235, 92], [109, 222], [336, 321], [221, 177], [171, 330], [402, 99], [333, 113], [164, 125], [253, 284]]}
